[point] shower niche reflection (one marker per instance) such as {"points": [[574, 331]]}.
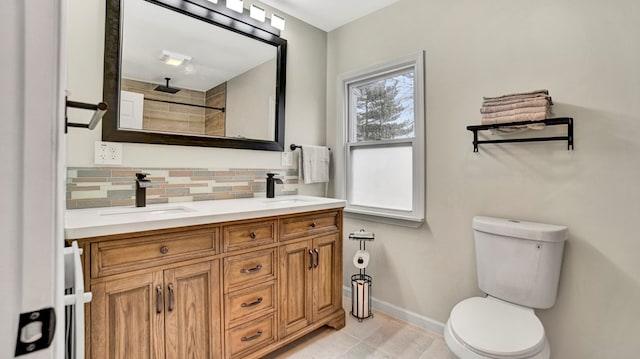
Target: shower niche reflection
{"points": [[145, 106]]}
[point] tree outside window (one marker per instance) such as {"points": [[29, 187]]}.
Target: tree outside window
{"points": [[384, 108]]}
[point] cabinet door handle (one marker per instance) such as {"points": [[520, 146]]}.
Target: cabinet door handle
{"points": [[164, 250], [315, 265], [253, 337], [171, 297], [254, 303], [159, 300], [252, 235], [251, 270], [313, 224], [310, 259]]}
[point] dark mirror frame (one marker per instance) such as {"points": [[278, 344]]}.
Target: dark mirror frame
{"points": [[216, 15]]}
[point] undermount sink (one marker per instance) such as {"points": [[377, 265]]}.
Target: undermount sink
{"points": [[147, 211]]}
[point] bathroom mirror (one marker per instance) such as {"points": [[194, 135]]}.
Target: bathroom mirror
{"points": [[190, 72]]}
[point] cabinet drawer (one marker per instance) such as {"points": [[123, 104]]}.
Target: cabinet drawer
{"points": [[252, 268], [248, 235], [125, 255], [301, 226], [251, 336], [244, 305]]}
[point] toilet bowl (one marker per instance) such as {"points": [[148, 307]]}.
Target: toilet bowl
{"points": [[481, 328], [518, 265]]}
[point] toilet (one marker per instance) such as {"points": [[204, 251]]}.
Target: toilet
{"points": [[518, 267]]}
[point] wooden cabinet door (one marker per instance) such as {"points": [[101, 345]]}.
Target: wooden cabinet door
{"points": [[192, 315], [296, 268], [327, 276], [127, 318]]}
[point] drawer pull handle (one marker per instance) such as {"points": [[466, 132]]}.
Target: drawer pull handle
{"points": [[252, 304], [251, 270], [313, 224], [159, 300], [164, 250], [252, 235], [253, 337], [315, 265], [171, 299]]}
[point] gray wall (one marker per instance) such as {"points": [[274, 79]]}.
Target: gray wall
{"points": [[587, 53], [248, 105]]}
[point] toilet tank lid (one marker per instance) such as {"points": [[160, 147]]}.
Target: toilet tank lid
{"points": [[520, 229]]}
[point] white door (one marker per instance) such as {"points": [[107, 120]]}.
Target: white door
{"points": [[31, 158]]}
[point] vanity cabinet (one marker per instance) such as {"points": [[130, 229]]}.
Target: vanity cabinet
{"points": [[168, 313], [155, 294], [307, 286], [138, 251], [311, 266], [238, 289], [309, 225], [124, 320], [250, 301]]}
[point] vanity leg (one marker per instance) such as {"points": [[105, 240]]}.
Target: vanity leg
{"points": [[338, 322]]}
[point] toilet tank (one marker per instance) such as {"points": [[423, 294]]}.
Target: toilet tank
{"points": [[519, 261]]}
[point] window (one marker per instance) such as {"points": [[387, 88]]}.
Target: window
{"points": [[383, 134]]}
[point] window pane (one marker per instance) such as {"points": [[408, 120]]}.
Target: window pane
{"points": [[383, 108], [382, 177]]}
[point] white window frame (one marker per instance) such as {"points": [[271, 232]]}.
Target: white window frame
{"points": [[415, 217]]}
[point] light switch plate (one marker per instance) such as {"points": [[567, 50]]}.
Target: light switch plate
{"points": [[287, 159], [108, 153]]}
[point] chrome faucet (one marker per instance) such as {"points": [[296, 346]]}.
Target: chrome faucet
{"points": [[271, 185], [142, 183]]}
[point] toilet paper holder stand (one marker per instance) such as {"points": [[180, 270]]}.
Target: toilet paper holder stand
{"points": [[361, 282]]}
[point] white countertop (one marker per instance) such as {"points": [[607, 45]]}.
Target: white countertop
{"points": [[91, 222]]}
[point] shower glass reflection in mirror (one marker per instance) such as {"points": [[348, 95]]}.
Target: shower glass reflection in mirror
{"points": [[181, 75]]}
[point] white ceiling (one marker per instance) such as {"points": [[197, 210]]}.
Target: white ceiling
{"points": [[328, 14]]}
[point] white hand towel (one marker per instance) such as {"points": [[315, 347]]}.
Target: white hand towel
{"points": [[314, 164]]}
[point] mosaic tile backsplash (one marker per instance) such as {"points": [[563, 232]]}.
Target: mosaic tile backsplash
{"points": [[91, 187]]}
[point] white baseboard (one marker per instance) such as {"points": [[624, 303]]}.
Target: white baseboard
{"points": [[402, 314]]}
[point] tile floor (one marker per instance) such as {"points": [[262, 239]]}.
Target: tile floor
{"points": [[378, 337]]}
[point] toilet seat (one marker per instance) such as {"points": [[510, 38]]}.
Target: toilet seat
{"points": [[496, 329]]}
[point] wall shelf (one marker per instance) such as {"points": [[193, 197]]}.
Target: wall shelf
{"points": [[548, 122]]}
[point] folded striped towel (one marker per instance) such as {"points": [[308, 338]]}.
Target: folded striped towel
{"points": [[515, 99], [516, 95], [513, 106], [516, 107], [517, 111]]}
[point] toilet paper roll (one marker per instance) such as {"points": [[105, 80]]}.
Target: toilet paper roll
{"points": [[360, 290], [361, 259]]}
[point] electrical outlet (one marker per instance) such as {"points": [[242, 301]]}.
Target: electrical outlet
{"points": [[108, 153]]}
